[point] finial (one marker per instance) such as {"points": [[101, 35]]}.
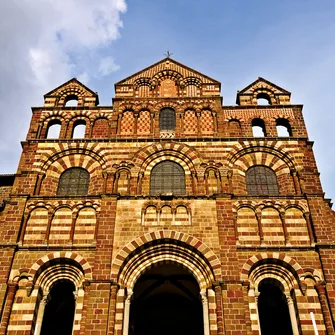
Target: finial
{"points": [[168, 54]]}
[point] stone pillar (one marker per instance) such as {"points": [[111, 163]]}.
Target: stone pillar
{"points": [[198, 114], [260, 228], [256, 294], [7, 308], [119, 120], [38, 185], [296, 183], [112, 309], [283, 222], [309, 228], [219, 308], [293, 317], [215, 123], [204, 301], [24, 226], [40, 314], [126, 313], [321, 289]]}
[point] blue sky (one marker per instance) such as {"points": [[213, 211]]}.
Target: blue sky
{"points": [[289, 42]]}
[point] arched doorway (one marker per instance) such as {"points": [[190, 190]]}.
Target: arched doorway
{"points": [[273, 311], [59, 311], [166, 300]]}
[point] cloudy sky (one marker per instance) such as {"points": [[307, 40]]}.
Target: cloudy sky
{"points": [[44, 43]]}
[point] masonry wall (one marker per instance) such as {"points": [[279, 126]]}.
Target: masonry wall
{"points": [[240, 238]]}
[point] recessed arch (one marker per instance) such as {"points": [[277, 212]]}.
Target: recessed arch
{"points": [[270, 258], [165, 246], [54, 259]]}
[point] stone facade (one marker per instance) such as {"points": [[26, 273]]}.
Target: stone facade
{"points": [[230, 239]]}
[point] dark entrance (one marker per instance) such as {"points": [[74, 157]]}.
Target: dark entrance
{"points": [[166, 301], [273, 311], [59, 311]]}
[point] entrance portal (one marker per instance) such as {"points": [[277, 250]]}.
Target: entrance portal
{"points": [[166, 301]]}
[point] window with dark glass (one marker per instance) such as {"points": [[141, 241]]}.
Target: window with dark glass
{"points": [[74, 181], [261, 180], [167, 177], [167, 119]]}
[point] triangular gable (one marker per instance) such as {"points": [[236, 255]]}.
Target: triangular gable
{"points": [[74, 82], [263, 83], [167, 64]]}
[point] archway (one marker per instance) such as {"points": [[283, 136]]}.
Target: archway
{"points": [[166, 300]]}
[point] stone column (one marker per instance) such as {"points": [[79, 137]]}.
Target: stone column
{"points": [[198, 114], [215, 123], [38, 184], [112, 309], [219, 308], [260, 228], [283, 222], [309, 228], [293, 317], [7, 308], [321, 289], [40, 314], [296, 182], [126, 313], [204, 301], [254, 292], [119, 120]]}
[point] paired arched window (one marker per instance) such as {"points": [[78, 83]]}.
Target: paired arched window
{"points": [[167, 119], [53, 130], [71, 101], [167, 177], [283, 127], [59, 311], [261, 180], [79, 128], [74, 181], [258, 128]]}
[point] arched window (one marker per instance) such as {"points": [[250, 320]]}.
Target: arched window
{"points": [[53, 129], [273, 311], [283, 127], [73, 181], [167, 119], [258, 128], [79, 128], [167, 177], [261, 180], [263, 99], [59, 311], [71, 101]]}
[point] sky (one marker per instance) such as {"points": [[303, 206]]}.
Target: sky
{"points": [[291, 43]]}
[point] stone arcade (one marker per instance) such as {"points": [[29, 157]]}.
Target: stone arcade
{"points": [[166, 213]]}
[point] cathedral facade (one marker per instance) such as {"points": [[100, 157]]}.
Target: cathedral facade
{"points": [[166, 213]]}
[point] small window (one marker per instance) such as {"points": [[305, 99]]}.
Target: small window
{"points": [[167, 119], [54, 127], [71, 101], [79, 128], [59, 311], [73, 181], [283, 128], [261, 180], [258, 128], [167, 177], [263, 99]]}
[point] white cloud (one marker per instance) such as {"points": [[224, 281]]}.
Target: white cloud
{"points": [[44, 43], [107, 66]]}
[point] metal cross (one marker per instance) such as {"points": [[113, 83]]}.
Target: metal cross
{"points": [[168, 54]]}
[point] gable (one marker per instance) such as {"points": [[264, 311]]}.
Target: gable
{"points": [[178, 80]]}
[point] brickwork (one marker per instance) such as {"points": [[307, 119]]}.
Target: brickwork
{"points": [[106, 240]]}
